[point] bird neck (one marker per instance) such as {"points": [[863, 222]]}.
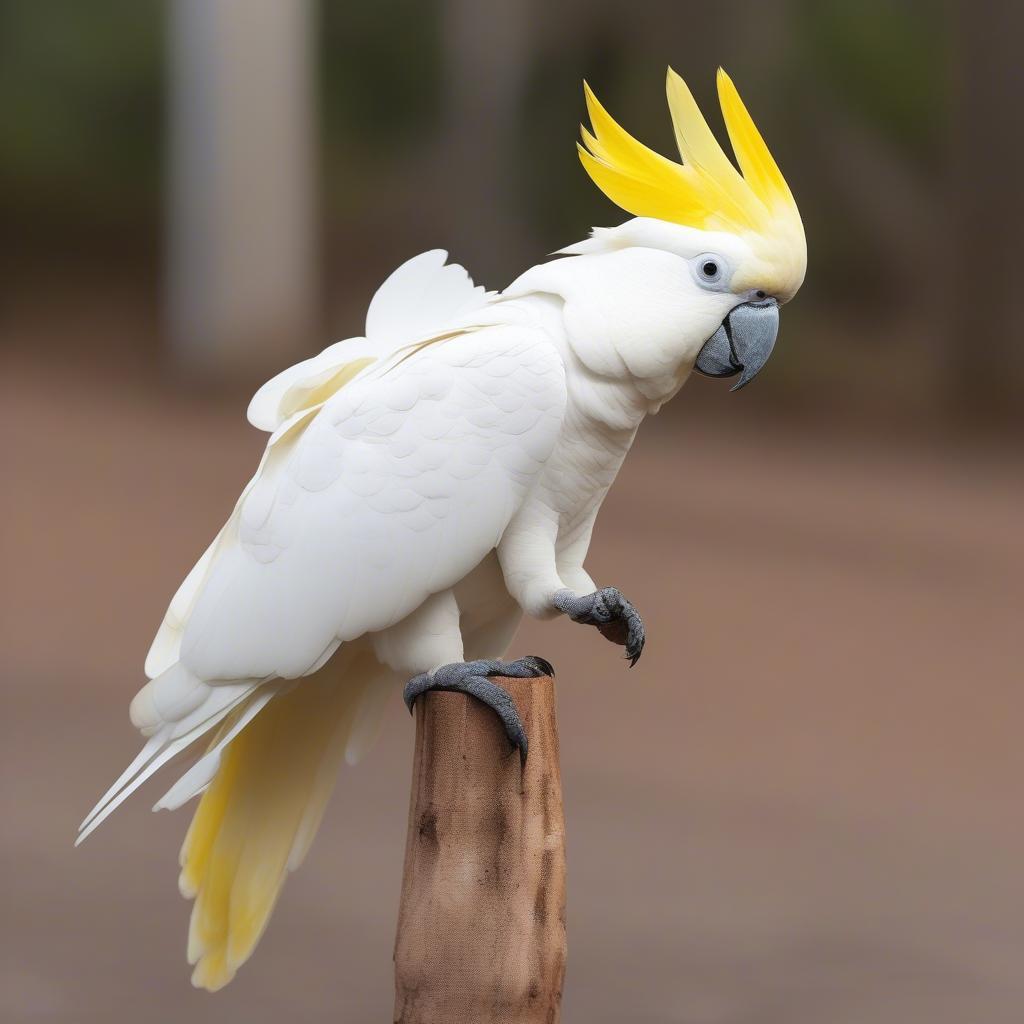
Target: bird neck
{"points": [[612, 401], [632, 319]]}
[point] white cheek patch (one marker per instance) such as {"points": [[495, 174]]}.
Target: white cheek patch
{"points": [[636, 311]]}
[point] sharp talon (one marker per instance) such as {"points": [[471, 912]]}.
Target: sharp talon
{"points": [[474, 678], [544, 666], [613, 615], [415, 688]]}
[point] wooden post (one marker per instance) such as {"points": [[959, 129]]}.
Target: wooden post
{"points": [[481, 925]]}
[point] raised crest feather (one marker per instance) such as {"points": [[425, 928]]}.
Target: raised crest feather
{"points": [[705, 190]]}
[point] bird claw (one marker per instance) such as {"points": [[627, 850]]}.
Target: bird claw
{"points": [[614, 616], [473, 678]]}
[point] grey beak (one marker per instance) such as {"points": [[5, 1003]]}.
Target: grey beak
{"points": [[742, 344]]}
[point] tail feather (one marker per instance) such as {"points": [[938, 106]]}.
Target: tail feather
{"points": [[319, 794], [273, 752], [259, 815], [202, 773], [369, 716], [167, 739]]}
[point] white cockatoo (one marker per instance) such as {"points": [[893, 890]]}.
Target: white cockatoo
{"points": [[425, 485]]}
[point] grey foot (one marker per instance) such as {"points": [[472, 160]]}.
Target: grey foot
{"points": [[472, 677], [616, 619]]}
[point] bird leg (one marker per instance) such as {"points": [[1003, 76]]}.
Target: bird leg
{"points": [[615, 617], [473, 677]]}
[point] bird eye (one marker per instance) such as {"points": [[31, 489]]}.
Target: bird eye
{"points": [[709, 269]]}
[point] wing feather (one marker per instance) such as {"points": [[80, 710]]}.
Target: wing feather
{"points": [[396, 489], [421, 296]]}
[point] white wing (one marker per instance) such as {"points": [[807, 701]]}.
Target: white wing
{"points": [[398, 487], [421, 296]]}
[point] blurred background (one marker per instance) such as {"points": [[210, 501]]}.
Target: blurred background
{"points": [[804, 804]]}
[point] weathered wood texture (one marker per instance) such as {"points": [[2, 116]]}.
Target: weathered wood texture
{"points": [[481, 926]]}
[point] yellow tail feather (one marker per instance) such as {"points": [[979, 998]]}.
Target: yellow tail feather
{"points": [[258, 815]]}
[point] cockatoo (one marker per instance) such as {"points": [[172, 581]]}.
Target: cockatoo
{"points": [[427, 484]]}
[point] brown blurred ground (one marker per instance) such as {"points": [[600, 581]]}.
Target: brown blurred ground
{"points": [[802, 806]]}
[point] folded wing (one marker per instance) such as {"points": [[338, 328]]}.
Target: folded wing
{"points": [[398, 486], [422, 296]]}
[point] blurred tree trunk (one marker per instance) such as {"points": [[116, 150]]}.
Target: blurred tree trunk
{"points": [[987, 357], [487, 58], [241, 294]]}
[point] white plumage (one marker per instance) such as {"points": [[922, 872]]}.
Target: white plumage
{"points": [[375, 492], [422, 487], [394, 465], [426, 484]]}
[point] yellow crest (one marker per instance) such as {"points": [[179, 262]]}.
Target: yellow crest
{"points": [[705, 191]]}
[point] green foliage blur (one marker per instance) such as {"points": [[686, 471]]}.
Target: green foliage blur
{"points": [[81, 118]]}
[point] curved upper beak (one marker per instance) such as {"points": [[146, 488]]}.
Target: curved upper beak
{"points": [[742, 344]]}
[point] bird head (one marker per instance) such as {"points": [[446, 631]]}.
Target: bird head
{"points": [[736, 234]]}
